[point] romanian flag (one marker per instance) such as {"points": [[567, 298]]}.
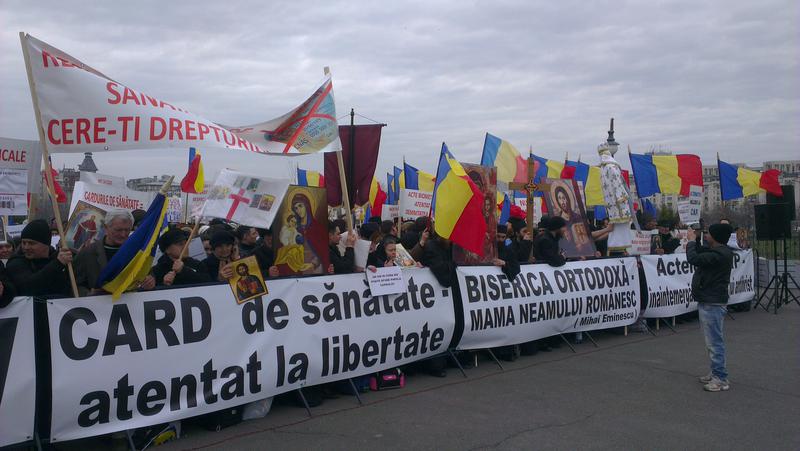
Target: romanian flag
{"points": [[61, 196], [550, 169], [310, 178], [503, 208], [736, 182], [376, 198], [577, 171], [399, 182], [418, 180], [194, 181], [666, 174], [132, 262], [457, 205], [391, 195], [511, 166]]}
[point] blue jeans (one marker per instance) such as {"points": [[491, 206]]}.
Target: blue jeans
{"points": [[711, 318]]}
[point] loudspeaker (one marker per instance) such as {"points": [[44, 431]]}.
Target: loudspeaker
{"points": [[772, 222], [787, 200]]}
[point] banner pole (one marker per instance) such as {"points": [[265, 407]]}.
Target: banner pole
{"points": [[48, 169], [185, 249], [343, 181]]}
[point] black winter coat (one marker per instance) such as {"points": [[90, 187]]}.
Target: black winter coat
{"points": [[193, 272], [39, 277], [712, 273], [546, 250]]}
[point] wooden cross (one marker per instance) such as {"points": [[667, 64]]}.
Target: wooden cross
{"points": [[530, 187]]}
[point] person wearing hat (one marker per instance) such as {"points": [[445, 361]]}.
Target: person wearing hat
{"points": [[39, 269], [710, 283], [506, 254], [664, 242], [546, 248], [171, 269], [223, 253]]}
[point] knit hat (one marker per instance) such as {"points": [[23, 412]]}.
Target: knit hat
{"points": [[37, 230], [502, 228], [720, 232], [221, 237], [556, 223], [543, 222], [517, 224], [170, 237]]}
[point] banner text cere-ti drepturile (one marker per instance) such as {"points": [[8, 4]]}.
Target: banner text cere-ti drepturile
{"points": [[164, 355], [17, 372], [543, 301]]}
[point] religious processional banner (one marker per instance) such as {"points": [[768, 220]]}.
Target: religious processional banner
{"points": [[160, 356], [669, 283], [17, 372], [543, 301], [83, 110]]}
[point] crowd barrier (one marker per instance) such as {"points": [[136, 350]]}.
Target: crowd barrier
{"points": [[160, 356]]}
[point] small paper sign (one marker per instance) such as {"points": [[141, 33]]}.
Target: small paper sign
{"points": [[388, 280]]}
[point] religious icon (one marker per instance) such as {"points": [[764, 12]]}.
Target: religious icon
{"points": [[247, 282], [563, 198], [485, 179], [301, 226], [403, 258], [85, 225]]}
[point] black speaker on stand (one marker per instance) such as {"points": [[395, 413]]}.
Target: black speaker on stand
{"points": [[773, 223]]}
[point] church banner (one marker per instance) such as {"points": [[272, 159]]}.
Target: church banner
{"points": [[669, 283], [154, 357], [543, 301], [17, 372], [83, 110]]}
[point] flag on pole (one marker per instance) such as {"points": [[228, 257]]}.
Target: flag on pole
{"points": [[391, 195], [133, 261], [511, 166], [194, 181], [310, 178], [736, 182], [418, 180], [359, 163], [457, 205], [503, 207], [61, 196], [376, 198], [580, 172], [666, 174]]}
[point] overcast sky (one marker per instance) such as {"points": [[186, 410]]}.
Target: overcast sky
{"points": [[691, 77]]}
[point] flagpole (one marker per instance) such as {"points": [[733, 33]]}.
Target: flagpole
{"points": [[48, 165], [343, 178], [192, 234]]}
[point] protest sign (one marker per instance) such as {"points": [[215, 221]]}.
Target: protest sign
{"points": [[537, 206], [387, 280], [155, 357], [107, 197], [642, 242], [689, 207], [13, 191], [102, 179], [84, 110], [196, 202], [245, 199], [174, 209], [414, 203], [669, 283], [390, 212], [17, 372], [543, 301], [23, 154]]}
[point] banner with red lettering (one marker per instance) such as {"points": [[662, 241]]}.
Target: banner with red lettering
{"points": [[20, 166], [414, 203], [107, 197], [84, 110]]}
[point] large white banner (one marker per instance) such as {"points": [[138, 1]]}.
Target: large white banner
{"points": [[414, 203], [17, 372], [85, 111], [159, 356], [669, 283], [245, 199], [20, 166], [543, 301]]}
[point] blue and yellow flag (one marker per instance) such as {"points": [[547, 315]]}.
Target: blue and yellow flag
{"points": [[132, 262]]}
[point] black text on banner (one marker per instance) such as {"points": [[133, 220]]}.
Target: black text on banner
{"points": [[17, 372]]}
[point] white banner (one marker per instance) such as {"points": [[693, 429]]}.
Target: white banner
{"points": [[196, 202], [689, 207], [23, 154], [522, 203], [642, 242], [160, 356], [17, 372], [85, 111], [414, 203], [669, 283], [390, 212], [245, 199], [13, 191], [108, 198], [543, 301], [103, 179]]}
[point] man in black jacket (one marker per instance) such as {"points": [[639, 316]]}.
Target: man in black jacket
{"points": [[710, 283], [171, 269], [665, 242], [546, 248], [341, 264], [39, 269]]}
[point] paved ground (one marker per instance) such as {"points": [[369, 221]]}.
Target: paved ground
{"points": [[635, 392]]}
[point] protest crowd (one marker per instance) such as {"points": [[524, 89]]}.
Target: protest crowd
{"points": [[510, 229]]}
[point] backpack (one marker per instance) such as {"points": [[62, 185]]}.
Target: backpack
{"points": [[387, 379]]}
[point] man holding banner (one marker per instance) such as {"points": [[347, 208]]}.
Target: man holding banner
{"points": [[710, 289]]}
